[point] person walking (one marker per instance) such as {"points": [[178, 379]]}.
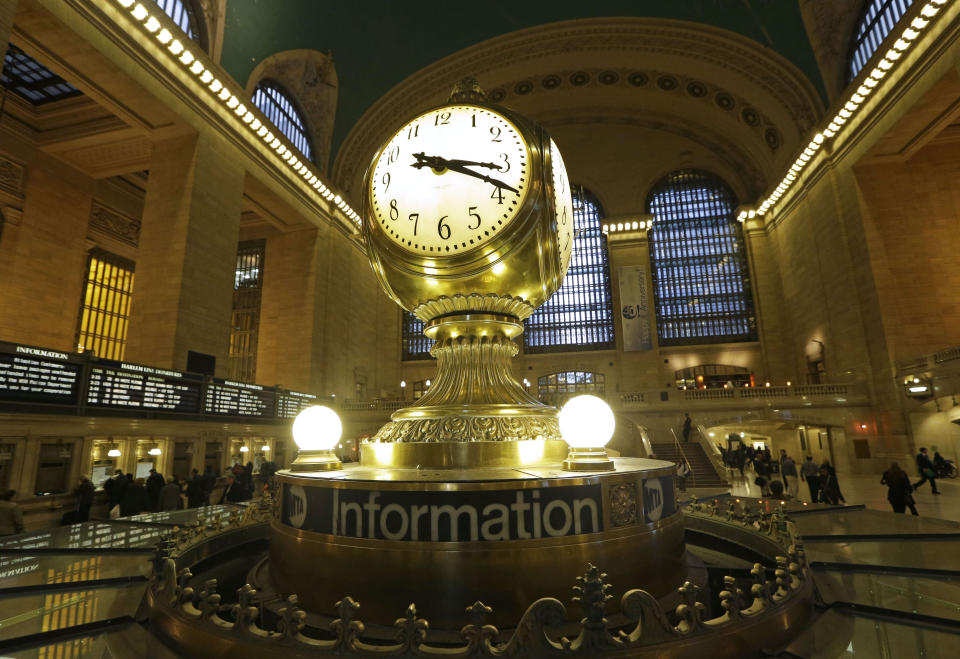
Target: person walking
{"points": [[170, 495], [135, 499], [11, 514], [925, 466], [155, 483], [195, 494], [810, 472], [898, 489], [829, 490], [788, 472], [687, 427], [209, 483], [833, 475], [84, 494]]}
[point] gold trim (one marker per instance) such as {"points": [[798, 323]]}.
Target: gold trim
{"points": [[497, 304], [461, 455], [361, 477]]}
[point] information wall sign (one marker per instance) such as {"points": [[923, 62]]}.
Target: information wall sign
{"points": [[240, 399], [38, 375]]}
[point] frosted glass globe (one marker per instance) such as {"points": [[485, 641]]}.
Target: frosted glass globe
{"points": [[586, 422], [317, 428]]}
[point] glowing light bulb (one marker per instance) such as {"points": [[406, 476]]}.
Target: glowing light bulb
{"points": [[586, 422], [317, 428]]}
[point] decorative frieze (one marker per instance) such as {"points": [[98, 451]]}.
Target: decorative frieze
{"points": [[114, 224]]}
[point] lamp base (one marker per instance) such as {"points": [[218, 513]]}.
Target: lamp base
{"points": [[323, 460], [588, 459]]}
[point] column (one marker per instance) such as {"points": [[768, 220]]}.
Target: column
{"points": [[182, 295], [292, 308]]}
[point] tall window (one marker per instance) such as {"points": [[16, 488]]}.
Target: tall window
{"points": [[30, 79], [274, 102], [701, 281], [105, 308], [579, 316], [245, 326], [184, 15], [414, 344], [879, 18]]}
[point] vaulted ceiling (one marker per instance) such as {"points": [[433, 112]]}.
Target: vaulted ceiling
{"points": [[378, 44]]}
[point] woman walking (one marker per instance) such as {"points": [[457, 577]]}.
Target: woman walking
{"points": [[898, 489]]}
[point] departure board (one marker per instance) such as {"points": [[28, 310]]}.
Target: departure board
{"points": [[290, 403], [136, 387], [240, 399], [38, 375]]}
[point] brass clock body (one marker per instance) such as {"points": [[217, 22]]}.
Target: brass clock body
{"points": [[461, 213]]}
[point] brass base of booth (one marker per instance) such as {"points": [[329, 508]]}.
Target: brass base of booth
{"points": [[445, 539]]}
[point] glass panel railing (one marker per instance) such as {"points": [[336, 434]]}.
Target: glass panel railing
{"points": [[936, 597], [17, 571], [36, 613]]}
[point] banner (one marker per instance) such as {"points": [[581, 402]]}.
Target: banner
{"points": [[634, 310]]}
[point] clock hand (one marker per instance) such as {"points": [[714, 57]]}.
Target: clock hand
{"points": [[482, 177], [438, 163], [474, 163]]}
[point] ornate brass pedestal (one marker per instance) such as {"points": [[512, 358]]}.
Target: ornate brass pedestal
{"points": [[447, 538]]}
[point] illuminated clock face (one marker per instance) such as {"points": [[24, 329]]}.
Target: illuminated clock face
{"points": [[450, 181], [563, 203]]}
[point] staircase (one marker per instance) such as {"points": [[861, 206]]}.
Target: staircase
{"points": [[704, 475]]}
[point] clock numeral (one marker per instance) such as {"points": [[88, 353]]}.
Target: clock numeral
{"points": [[472, 214], [386, 181], [497, 194], [415, 218], [441, 119], [563, 217], [473, 121], [441, 228], [394, 213], [413, 131], [495, 131], [506, 162], [393, 155]]}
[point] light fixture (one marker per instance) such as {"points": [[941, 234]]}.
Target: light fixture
{"points": [[587, 424], [265, 448], [154, 451], [113, 453], [316, 430], [244, 449]]}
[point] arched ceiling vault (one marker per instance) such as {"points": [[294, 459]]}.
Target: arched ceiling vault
{"points": [[711, 94]]}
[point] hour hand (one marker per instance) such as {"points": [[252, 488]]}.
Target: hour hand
{"points": [[473, 163], [483, 177]]}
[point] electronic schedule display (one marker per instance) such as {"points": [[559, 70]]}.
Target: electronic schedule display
{"points": [[38, 375], [290, 403], [231, 398], [135, 387]]}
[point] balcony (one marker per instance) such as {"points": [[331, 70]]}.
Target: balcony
{"points": [[807, 395]]}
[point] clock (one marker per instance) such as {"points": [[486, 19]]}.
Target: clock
{"points": [[450, 180], [563, 207], [467, 209]]}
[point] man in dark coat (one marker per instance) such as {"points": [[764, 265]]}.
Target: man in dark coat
{"points": [[234, 492], [195, 490], [84, 494], [155, 483], [209, 482], [925, 465], [114, 488]]}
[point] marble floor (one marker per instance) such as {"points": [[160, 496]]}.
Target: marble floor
{"points": [[865, 489]]}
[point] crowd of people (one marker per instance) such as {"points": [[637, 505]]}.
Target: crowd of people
{"points": [[782, 477], [127, 495]]}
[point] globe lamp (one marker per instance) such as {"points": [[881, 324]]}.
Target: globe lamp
{"points": [[586, 424], [316, 430]]}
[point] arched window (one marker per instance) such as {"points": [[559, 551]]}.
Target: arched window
{"points": [[274, 102], [557, 388], [879, 18], [184, 14], [414, 345], [701, 280], [579, 316]]}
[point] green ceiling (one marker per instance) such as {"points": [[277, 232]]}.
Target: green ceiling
{"points": [[378, 43]]}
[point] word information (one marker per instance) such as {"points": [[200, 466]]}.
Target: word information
{"points": [[493, 515]]}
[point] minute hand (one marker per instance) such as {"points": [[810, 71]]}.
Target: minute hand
{"points": [[454, 167]]}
